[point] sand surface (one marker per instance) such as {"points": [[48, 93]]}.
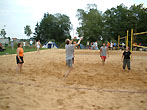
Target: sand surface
{"points": [[90, 86]]}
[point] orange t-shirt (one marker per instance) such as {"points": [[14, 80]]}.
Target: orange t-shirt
{"points": [[21, 52], [108, 44]]}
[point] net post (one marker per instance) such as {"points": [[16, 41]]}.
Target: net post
{"points": [[131, 39], [118, 41], [127, 38]]}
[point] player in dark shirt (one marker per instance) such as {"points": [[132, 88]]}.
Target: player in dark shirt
{"points": [[126, 58]]}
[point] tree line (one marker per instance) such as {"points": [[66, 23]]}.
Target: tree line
{"points": [[53, 27], [93, 24], [113, 22]]}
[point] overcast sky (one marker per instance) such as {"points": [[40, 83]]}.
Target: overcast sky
{"points": [[16, 14]]}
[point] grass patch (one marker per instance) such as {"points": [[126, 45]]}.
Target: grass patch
{"points": [[13, 51]]}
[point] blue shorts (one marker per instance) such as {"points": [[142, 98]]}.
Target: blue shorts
{"points": [[69, 62]]}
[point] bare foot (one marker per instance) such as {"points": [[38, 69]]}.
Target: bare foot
{"points": [[124, 70]]}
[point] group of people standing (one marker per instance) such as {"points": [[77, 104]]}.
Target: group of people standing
{"points": [[37, 43], [92, 45], [103, 55], [69, 47], [111, 45]]}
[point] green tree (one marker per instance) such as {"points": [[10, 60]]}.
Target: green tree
{"points": [[53, 27], [3, 33], [116, 22], [138, 16], [27, 30], [120, 19], [91, 24]]}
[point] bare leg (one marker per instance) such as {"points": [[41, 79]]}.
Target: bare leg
{"points": [[67, 72], [103, 61], [38, 50], [21, 68], [18, 68]]}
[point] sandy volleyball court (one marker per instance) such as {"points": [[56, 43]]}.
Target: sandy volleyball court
{"points": [[90, 86]]}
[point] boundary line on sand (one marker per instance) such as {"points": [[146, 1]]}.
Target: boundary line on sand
{"points": [[78, 88]]}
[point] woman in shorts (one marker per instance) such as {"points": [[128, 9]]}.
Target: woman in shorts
{"points": [[19, 58], [38, 45]]}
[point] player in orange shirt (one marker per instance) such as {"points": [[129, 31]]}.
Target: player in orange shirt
{"points": [[108, 45], [19, 58]]}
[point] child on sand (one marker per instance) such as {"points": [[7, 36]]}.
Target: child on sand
{"points": [[126, 58], [70, 54], [19, 58], [103, 53]]}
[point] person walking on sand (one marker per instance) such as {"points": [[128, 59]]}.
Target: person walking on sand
{"points": [[24, 44], [31, 43], [111, 45], [95, 45], [103, 53], [126, 58], [19, 58], [70, 55], [108, 45], [38, 45]]}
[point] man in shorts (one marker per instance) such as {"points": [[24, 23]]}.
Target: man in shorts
{"points": [[103, 53], [70, 54]]}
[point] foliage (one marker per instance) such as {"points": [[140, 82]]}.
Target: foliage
{"points": [[27, 30], [53, 27], [120, 19], [91, 23], [3, 33], [113, 22]]}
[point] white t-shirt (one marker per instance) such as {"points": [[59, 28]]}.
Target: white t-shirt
{"points": [[87, 43], [31, 42], [38, 45], [11, 40], [123, 44], [24, 43], [111, 45], [95, 44]]}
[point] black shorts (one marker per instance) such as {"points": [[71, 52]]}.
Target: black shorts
{"points": [[17, 60], [73, 60]]}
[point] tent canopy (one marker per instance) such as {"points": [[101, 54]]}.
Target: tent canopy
{"points": [[50, 45]]}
